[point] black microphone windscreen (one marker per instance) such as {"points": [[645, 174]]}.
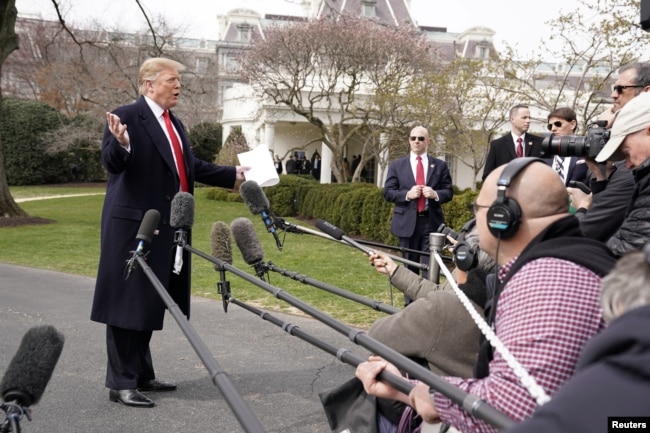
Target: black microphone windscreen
{"points": [[330, 229], [31, 367], [148, 225], [254, 197], [247, 240], [220, 244], [182, 211]]}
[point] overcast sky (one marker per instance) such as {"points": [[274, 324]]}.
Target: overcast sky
{"points": [[520, 22]]}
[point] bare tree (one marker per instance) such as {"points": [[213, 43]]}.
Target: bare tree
{"points": [[8, 43], [327, 70]]}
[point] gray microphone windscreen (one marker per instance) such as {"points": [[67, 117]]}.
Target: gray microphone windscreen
{"points": [[31, 367], [247, 240], [148, 225], [254, 197], [220, 244], [182, 211]]}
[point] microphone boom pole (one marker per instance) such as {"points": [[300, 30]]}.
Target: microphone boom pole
{"points": [[342, 354], [470, 403], [219, 377], [375, 305]]}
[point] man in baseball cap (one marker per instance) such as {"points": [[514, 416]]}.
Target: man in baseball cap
{"points": [[630, 134], [630, 140]]}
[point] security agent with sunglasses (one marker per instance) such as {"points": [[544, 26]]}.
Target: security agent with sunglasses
{"points": [[545, 305], [418, 184], [516, 144]]}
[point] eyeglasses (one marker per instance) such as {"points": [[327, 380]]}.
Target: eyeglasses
{"points": [[619, 88], [557, 124], [475, 207], [420, 138]]}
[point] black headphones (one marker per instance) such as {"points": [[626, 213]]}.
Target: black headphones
{"points": [[504, 215], [465, 256]]}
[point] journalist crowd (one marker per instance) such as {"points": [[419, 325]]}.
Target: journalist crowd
{"points": [[562, 225]]}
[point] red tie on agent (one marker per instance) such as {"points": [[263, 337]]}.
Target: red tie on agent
{"points": [[178, 153], [419, 179], [520, 148]]}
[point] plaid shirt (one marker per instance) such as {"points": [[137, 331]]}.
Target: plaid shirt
{"points": [[545, 314]]}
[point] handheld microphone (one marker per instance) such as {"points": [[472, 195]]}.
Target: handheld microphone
{"points": [[145, 235], [338, 234], [249, 245], [31, 367], [221, 249], [182, 218], [257, 202]]}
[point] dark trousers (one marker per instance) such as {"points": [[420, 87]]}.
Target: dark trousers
{"points": [[419, 242], [129, 358]]}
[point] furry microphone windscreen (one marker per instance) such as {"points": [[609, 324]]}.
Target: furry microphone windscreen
{"points": [[254, 197], [182, 211], [220, 244], [31, 367], [247, 241]]}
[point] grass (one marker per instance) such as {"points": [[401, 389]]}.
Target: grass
{"points": [[71, 245]]}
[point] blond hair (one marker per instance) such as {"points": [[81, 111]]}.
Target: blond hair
{"points": [[151, 69]]}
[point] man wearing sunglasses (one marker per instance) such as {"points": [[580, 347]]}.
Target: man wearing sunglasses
{"points": [[516, 144], [602, 212], [418, 184], [563, 121]]}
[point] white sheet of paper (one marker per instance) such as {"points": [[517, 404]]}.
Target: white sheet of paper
{"points": [[262, 168]]}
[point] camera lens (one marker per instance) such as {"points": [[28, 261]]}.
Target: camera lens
{"points": [[566, 145]]}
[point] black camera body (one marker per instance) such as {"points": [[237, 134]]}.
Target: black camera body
{"points": [[448, 231], [588, 145]]}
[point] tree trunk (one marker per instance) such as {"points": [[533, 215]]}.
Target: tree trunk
{"points": [[8, 43]]}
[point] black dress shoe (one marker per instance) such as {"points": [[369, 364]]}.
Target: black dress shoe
{"points": [[129, 397], [156, 385]]}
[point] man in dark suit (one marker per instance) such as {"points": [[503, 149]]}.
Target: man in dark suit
{"points": [[516, 144], [144, 173], [417, 196]]}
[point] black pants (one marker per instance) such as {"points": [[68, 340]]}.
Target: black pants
{"points": [[420, 242], [129, 358]]}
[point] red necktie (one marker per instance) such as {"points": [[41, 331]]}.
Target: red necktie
{"points": [[178, 153], [520, 148], [419, 179]]}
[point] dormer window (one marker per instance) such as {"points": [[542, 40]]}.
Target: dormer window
{"points": [[368, 8], [483, 50], [245, 31]]}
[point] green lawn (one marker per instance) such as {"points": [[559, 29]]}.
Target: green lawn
{"points": [[71, 245]]}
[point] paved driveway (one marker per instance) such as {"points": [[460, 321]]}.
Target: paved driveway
{"points": [[278, 375]]}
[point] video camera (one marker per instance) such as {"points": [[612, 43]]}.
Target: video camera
{"points": [[588, 145]]}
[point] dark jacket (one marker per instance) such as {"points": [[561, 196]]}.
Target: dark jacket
{"points": [[145, 178], [502, 151], [612, 379], [610, 200], [400, 179], [634, 233]]}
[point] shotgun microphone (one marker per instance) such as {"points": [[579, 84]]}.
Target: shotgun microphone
{"points": [[249, 245], [145, 234], [258, 203], [182, 218]]}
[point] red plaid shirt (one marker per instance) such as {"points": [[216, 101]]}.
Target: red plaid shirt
{"points": [[545, 314]]}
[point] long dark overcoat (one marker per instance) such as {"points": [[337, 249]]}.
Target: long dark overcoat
{"points": [[142, 179]]}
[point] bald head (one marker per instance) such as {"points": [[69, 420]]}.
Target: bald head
{"points": [[537, 188], [542, 197]]}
